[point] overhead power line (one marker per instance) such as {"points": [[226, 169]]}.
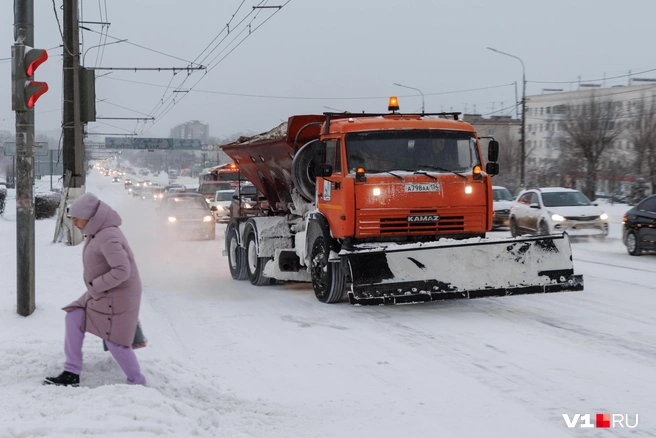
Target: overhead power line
{"points": [[595, 80], [140, 46], [171, 102], [265, 96]]}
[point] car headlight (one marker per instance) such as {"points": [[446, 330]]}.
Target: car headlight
{"points": [[208, 219], [603, 216], [172, 219], [247, 205], [557, 218], [220, 207]]}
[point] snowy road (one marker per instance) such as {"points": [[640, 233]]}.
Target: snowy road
{"points": [[272, 361]]}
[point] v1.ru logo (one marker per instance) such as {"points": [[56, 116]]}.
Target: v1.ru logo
{"points": [[602, 420]]}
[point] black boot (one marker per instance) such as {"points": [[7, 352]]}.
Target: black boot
{"points": [[64, 379]]}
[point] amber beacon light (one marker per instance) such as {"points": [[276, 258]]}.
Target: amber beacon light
{"points": [[393, 104]]}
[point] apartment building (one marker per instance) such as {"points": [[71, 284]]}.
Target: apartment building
{"points": [[544, 130], [192, 130]]}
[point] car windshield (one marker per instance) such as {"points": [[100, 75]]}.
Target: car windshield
{"points": [[502, 195], [412, 150], [564, 199], [224, 196], [186, 203]]}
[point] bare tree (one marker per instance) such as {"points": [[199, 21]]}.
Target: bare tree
{"points": [[642, 133], [591, 127]]}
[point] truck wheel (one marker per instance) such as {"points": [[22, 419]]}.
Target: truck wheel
{"points": [[327, 279], [633, 244], [236, 257], [254, 264]]}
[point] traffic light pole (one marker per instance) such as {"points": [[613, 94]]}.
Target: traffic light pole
{"points": [[24, 177]]}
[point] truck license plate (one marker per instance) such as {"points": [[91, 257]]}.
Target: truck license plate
{"points": [[424, 218], [422, 187]]}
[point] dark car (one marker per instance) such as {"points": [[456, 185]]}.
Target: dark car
{"points": [[639, 227], [187, 215]]}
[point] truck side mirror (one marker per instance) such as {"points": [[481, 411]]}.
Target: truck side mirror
{"points": [[492, 168], [493, 151], [323, 170]]}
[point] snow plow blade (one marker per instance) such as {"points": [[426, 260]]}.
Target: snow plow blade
{"points": [[484, 268]]}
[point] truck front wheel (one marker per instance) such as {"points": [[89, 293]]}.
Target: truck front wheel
{"points": [[327, 279]]}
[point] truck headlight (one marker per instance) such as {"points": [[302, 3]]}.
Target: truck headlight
{"points": [[172, 219], [376, 191], [208, 219], [557, 218], [468, 190]]}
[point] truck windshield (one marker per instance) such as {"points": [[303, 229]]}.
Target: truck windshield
{"points": [[412, 150]]}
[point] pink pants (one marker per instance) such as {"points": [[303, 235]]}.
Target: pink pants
{"points": [[125, 357]]}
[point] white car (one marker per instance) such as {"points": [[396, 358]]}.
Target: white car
{"points": [[220, 205], [554, 210], [502, 200]]}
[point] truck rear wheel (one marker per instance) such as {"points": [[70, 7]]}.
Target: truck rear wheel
{"points": [[327, 279], [236, 257], [254, 264]]}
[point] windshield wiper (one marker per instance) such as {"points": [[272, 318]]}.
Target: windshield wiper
{"points": [[442, 169], [425, 173], [386, 171]]}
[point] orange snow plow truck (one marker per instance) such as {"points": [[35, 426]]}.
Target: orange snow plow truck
{"points": [[388, 208]]}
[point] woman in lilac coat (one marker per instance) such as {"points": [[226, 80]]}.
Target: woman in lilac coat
{"points": [[109, 308]]}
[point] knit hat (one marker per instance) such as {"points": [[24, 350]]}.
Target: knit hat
{"points": [[84, 207]]}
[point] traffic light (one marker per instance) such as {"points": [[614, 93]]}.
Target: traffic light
{"points": [[24, 62]]}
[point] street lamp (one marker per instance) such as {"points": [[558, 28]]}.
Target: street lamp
{"points": [[417, 89], [523, 143], [100, 45]]}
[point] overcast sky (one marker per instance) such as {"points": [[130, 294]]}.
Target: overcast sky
{"points": [[340, 54]]}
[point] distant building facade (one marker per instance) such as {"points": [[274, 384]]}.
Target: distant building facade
{"points": [[192, 130], [544, 129]]}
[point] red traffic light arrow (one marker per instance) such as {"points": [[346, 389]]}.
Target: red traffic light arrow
{"points": [[34, 90]]}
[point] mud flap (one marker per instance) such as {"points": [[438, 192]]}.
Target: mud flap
{"points": [[414, 273]]}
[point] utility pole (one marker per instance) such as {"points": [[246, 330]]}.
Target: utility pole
{"points": [[24, 172], [522, 182], [73, 148]]}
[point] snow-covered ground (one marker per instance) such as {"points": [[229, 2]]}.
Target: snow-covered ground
{"points": [[228, 359]]}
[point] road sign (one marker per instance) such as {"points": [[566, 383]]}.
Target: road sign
{"points": [[40, 148], [142, 143]]}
